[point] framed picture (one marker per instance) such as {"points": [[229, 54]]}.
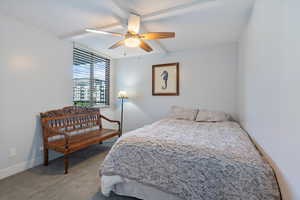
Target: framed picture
{"points": [[165, 79]]}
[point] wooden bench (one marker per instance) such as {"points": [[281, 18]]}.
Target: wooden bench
{"points": [[73, 128]]}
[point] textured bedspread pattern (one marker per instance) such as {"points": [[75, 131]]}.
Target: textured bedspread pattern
{"points": [[194, 161]]}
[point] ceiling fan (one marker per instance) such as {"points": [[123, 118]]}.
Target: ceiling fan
{"points": [[132, 38]]}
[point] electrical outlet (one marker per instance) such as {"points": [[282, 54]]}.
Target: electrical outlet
{"points": [[41, 148], [12, 152]]}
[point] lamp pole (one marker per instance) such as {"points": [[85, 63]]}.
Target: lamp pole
{"points": [[122, 95], [122, 99]]}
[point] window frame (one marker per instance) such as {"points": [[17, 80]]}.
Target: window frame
{"points": [[92, 88]]}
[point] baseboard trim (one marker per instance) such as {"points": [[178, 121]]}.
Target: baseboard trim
{"points": [[22, 166], [19, 167]]}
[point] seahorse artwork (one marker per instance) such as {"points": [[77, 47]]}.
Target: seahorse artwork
{"points": [[165, 76]]}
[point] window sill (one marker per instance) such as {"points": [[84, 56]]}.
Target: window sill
{"points": [[102, 107]]}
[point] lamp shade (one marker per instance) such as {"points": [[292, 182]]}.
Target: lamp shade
{"points": [[122, 95]]}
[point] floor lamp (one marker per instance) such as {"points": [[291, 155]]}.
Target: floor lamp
{"points": [[122, 95]]}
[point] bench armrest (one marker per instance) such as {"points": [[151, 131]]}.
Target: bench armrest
{"points": [[112, 121]]}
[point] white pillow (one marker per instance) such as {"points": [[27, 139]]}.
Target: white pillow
{"points": [[212, 116], [183, 113]]}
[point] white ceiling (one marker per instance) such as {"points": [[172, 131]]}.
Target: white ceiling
{"points": [[197, 23]]}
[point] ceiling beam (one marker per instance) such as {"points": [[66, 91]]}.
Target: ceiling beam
{"points": [[121, 13], [180, 9], [118, 13]]}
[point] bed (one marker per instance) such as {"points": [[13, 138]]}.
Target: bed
{"points": [[183, 159]]}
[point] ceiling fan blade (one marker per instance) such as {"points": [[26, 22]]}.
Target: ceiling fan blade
{"points": [[157, 35], [134, 22], [104, 32], [145, 46], [120, 43]]}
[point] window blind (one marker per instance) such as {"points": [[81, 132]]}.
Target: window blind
{"points": [[91, 73]]}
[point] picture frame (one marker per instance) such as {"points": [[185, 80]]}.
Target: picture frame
{"points": [[165, 79]]}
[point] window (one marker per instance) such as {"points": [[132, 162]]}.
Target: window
{"points": [[91, 74]]}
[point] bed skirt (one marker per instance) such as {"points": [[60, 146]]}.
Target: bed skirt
{"points": [[126, 187]]}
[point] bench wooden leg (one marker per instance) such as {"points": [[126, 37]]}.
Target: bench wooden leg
{"points": [[66, 161], [46, 156]]}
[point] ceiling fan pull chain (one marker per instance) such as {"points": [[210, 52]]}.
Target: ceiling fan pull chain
{"points": [[125, 54]]}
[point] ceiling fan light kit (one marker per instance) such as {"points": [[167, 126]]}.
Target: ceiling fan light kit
{"points": [[132, 38], [132, 42]]}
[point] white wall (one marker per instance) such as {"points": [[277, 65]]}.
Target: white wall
{"points": [[268, 94], [207, 80], [288, 157], [35, 76]]}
